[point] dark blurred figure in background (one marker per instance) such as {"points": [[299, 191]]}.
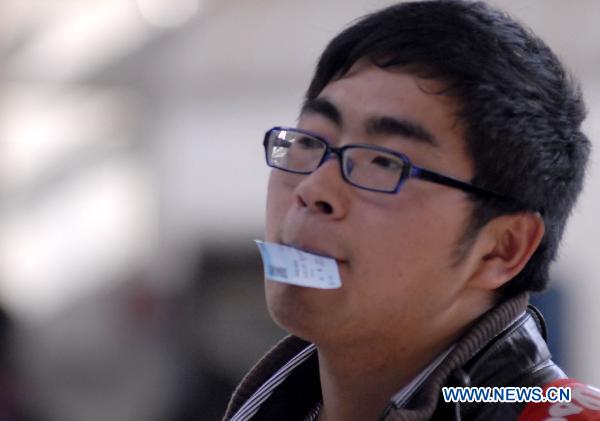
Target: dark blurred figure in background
{"points": [[6, 386]]}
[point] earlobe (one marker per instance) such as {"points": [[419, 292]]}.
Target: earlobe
{"points": [[512, 241]]}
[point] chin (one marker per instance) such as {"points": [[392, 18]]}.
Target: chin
{"points": [[299, 310]]}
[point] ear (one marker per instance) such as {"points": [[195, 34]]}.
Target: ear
{"points": [[505, 245]]}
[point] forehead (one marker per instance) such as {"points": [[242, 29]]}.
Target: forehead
{"points": [[368, 90], [368, 93]]}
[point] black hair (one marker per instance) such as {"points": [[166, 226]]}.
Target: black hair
{"points": [[521, 110]]}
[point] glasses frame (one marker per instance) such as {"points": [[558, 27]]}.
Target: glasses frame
{"points": [[408, 171]]}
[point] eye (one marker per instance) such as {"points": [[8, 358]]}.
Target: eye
{"points": [[309, 143], [282, 143], [387, 163]]}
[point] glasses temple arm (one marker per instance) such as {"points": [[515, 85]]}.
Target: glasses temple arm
{"points": [[433, 177]]}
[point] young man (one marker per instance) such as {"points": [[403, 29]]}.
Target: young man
{"points": [[437, 157]]}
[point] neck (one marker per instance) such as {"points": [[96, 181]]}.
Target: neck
{"points": [[359, 376], [358, 384]]}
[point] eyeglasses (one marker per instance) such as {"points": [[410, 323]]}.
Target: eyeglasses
{"points": [[367, 167]]}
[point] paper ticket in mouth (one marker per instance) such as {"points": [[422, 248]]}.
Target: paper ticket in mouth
{"points": [[292, 266]]}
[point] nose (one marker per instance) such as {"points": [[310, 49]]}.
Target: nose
{"points": [[324, 191]]}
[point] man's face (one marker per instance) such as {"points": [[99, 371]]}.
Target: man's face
{"points": [[396, 252]]}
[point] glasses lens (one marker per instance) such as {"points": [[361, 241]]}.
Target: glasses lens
{"points": [[372, 169], [294, 151]]}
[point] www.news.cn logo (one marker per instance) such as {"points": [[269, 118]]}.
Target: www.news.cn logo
{"points": [[506, 394]]}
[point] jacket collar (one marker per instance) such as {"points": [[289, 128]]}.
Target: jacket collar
{"points": [[467, 350]]}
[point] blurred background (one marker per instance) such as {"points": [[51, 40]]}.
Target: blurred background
{"points": [[132, 184]]}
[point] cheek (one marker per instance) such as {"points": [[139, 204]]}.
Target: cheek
{"points": [[404, 271], [280, 196], [407, 243]]}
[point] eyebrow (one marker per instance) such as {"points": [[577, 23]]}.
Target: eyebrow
{"points": [[323, 107], [378, 125], [400, 127]]}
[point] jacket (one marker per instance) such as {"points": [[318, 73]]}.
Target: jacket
{"points": [[505, 347]]}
